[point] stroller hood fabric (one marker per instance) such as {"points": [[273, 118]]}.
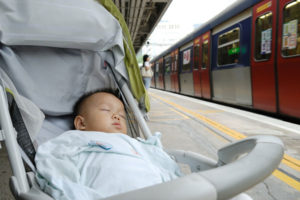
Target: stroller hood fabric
{"points": [[55, 50]]}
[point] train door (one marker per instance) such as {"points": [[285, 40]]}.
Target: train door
{"points": [[174, 73], [263, 56], [196, 67], [205, 66], [156, 74], [186, 74], [230, 63], [288, 58], [153, 78], [167, 72], [161, 74]]}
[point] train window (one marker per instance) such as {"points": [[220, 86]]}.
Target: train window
{"points": [[291, 29], [196, 56], [204, 54], [229, 47], [168, 65], [186, 60], [157, 67], [263, 37]]}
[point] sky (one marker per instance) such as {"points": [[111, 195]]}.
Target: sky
{"points": [[195, 11], [181, 18]]}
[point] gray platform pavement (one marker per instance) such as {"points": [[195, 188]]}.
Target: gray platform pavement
{"points": [[202, 127]]}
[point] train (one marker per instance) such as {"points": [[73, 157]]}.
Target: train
{"points": [[247, 56]]}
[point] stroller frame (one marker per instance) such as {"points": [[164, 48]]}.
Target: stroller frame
{"points": [[8, 131], [206, 172]]}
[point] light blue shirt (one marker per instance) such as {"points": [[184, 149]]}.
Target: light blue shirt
{"points": [[93, 165]]}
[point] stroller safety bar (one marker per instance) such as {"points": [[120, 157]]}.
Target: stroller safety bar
{"points": [[195, 161], [227, 179], [264, 153]]}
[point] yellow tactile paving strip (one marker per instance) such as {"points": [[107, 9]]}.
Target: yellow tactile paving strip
{"points": [[287, 160]]}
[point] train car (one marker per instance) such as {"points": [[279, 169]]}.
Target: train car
{"points": [[248, 55]]}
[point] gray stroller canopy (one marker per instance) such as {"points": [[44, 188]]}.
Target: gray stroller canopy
{"points": [[54, 51], [51, 76]]}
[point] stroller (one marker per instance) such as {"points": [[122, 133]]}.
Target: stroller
{"points": [[46, 65]]}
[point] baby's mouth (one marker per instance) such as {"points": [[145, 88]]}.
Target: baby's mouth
{"points": [[117, 125]]}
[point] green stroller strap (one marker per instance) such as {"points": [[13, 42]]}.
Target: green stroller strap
{"points": [[136, 84]]}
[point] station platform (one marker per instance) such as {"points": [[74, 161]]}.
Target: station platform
{"points": [[194, 125]]}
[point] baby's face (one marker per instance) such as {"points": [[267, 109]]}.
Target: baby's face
{"points": [[105, 113]]}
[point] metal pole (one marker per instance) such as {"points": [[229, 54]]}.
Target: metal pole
{"points": [[137, 113]]}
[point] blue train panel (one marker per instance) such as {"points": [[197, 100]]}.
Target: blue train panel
{"points": [[231, 46]]}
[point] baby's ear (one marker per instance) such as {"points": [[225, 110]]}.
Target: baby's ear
{"points": [[79, 123]]}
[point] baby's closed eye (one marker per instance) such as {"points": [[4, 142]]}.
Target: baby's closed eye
{"points": [[105, 109], [122, 115]]}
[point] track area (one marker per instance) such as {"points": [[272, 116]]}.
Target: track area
{"points": [[191, 124]]}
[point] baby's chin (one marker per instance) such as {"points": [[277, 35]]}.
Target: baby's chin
{"points": [[116, 131], [119, 130], [125, 133]]}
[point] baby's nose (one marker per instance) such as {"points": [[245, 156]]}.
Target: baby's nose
{"points": [[116, 116]]}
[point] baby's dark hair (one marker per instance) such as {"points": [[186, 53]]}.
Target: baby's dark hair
{"points": [[78, 103]]}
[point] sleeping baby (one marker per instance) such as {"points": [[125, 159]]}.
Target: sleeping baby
{"points": [[99, 159]]}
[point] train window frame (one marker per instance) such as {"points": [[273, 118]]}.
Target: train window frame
{"points": [[196, 57], [255, 38], [168, 60], [283, 29], [184, 70], [203, 67], [229, 43]]}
